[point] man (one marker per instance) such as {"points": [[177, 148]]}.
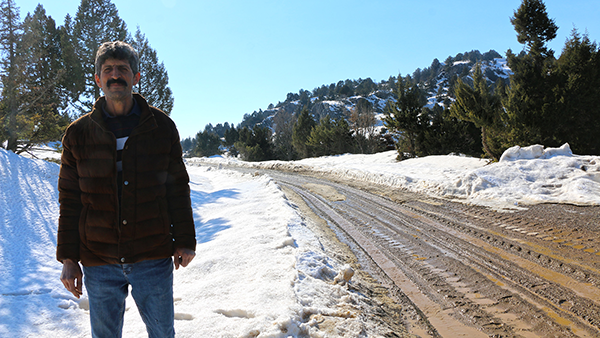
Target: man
{"points": [[124, 202]]}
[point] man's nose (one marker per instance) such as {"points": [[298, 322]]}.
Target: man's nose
{"points": [[115, 73]]}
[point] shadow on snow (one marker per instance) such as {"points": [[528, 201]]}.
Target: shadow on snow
{"points": [[30, 290], [206, 230]]}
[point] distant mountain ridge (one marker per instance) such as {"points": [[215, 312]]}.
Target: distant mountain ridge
{"points": [[337, 100]]}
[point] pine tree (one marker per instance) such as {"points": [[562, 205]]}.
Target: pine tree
{"points": [[255, 144], [479, 106], [10, 35], [188, 144], [578, 95], [447, 134], [284, 127], [42, 95], [366, 87], [231, 136], [154, 79], [533, 26], [207, 144], [330, 137], [530, 107], [96, 22], [321, 138], [301, 133], [407, 116], [73, 80]]}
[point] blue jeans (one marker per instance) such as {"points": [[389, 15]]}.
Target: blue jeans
{"points": [[151, 287]]}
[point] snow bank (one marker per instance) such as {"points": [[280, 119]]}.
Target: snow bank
{"points": [[535, 174], [523, 176], [534, 152], [259, 270], [31, 296]]}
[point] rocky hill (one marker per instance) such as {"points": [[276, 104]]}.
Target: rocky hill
{"points": [[338, 100]]}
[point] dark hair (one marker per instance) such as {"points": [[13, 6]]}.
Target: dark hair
{"points": [[117, 50]]}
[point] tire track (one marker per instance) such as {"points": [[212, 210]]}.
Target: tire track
{"points": [[459, 266]]}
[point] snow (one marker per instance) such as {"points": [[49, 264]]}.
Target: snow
{"points": [[43, 152], [259, 270], [462, 62], [523, 176]]}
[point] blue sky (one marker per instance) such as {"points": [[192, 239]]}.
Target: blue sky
{"points": [[231, 57]]}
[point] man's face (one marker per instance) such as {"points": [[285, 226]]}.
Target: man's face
{"points": [[117, 79]]}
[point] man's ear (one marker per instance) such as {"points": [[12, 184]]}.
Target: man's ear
{"points": [[136, 79], [97, 78]]}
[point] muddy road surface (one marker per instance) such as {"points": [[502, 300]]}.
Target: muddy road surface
{"points": [[455, 270]]}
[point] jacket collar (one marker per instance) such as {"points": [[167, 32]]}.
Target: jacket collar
{"points": [[147, 120]]}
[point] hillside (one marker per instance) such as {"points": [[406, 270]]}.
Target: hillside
{"points": [[337, 100], [350, 116]]}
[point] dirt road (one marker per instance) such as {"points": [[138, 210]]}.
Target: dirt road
{"points": [[445, 269]]}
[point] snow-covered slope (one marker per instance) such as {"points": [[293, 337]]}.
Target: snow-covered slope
{"points": [[259, 270]]}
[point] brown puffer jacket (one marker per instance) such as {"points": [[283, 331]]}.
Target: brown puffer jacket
{"points": [[156, 215]]}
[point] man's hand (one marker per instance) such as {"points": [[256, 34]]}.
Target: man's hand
{"points": [[71, 277], [183, 257]]}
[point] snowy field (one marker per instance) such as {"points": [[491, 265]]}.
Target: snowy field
{"points": [[259, 270]]}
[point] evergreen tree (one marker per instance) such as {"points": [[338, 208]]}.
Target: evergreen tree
{"points": [[529, 104], [220, 129], [320, 140], [407, 116], [330, 137], [42, 96], [481, 107], [154, 80], [10, 35], [73, 80], [96, 22], [304, 97], [346, 90], [533, 26], [253, 119], [207, 144], [578, 96], [301, 133], [209, 128], [447, 134], [188, 144], [255, 144], [284, 128], [231, 136], [343, 141], [366, 87]]}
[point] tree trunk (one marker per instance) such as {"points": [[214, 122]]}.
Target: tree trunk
{"points": [[12, 143], [11, 130], [486, 148]]}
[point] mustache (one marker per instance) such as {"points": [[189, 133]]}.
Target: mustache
{"points": [[117, 81]]}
